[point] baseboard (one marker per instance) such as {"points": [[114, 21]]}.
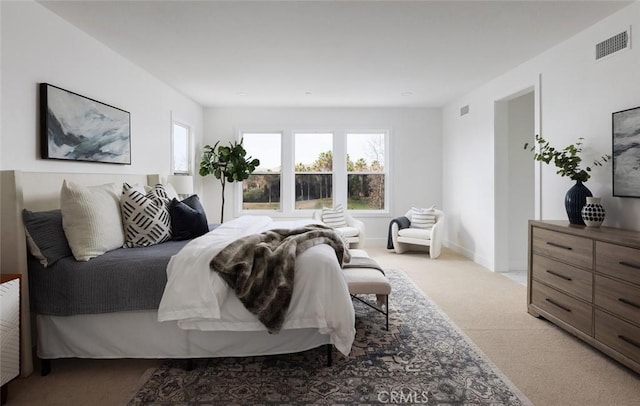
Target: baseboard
{"points": [[375, 242], [518, 265], [480, 260]]}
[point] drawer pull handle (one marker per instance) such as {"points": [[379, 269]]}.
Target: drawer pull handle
{"points": [[558, 305], [566, 278], [564, 247], [629, 341], [629, 264], [629, 302]]}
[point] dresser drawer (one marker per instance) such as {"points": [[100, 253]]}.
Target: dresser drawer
{"points": [[618, 261], [619, 298], [570, 310], [575, 281], [621, 336], [574, 250]]}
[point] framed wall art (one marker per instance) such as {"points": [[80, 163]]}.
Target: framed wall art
{"points": [[77, 128], [626, 152]]}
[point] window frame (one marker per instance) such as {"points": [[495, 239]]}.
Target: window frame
{"points": [[339, 173], [239, 200], [189, 129], [386, 172], [306, 212]]}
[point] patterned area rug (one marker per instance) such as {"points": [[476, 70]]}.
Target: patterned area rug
{"points": [[423, 358]]}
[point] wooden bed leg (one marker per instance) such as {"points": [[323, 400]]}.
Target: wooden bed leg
{"points": [[190, 364], [329, 355], [45, 367]]}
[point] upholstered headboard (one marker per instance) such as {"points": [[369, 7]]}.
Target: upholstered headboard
{"points": [[37, 191]]}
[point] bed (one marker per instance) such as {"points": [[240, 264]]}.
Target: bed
{"points": [[116, 331]]}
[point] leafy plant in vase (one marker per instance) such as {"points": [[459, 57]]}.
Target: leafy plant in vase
{"points": [[228, 164], [568, 162]]}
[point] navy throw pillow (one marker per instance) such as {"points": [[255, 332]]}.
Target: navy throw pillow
{"points": [[188, 219]]}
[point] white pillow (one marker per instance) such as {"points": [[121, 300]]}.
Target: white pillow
{"points": [[91, 219], [145, 217], [334, 217], [423, 218], [168, 188]]}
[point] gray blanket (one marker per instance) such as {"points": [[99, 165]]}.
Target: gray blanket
{"points": [[363, 262], [260, 267], [121, 280], [402, 222]]}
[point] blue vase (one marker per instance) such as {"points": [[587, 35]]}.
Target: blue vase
{"points": [[574, 201]]}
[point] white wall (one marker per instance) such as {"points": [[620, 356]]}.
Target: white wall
{"points": [[415, 144], [38, 46], [577, 97], [521, 178]]}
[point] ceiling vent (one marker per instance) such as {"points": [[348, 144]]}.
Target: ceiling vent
{"points": [[614, 44]]}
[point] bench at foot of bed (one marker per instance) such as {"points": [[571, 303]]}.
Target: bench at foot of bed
{"points": [[364, 280]]}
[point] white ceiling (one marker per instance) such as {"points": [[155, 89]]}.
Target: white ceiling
{"points": [[330, 53]]}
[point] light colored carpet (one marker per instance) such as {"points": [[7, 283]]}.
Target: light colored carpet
{"points": [[548, 365], [421, 357]]}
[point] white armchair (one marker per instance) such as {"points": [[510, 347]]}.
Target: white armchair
{"points": [[409, 238], [353, 233]]}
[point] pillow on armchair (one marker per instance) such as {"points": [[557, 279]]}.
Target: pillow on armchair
{"points": [[334, 217], [423, 218]]}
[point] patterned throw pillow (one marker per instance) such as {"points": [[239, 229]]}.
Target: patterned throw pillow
{"points": [[145, 218], [423, 218], [334, 218]]}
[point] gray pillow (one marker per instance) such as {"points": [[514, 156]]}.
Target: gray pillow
{"points": [[45, 236]]}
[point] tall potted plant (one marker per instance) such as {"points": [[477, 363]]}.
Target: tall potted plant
{"points": [[228, 164], [568, 162]]}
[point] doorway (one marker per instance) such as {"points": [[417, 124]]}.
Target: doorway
{"points": [[514, 181]]}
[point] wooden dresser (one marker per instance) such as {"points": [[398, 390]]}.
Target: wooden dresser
{"points": [[587, 281]]}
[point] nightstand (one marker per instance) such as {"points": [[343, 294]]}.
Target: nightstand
{"points": [[9, 330]]}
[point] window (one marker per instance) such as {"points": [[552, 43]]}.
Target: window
{"points": [[302, 171], [366, 171], [313, 170], [181, 146], [261, 191]]}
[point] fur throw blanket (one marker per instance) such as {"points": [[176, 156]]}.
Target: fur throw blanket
{"points": [[260, 267]]}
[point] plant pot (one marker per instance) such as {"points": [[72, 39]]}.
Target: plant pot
{"points": [[593, 213], [575, 200]]}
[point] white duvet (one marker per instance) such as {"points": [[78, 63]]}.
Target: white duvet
{"points": [[198, 298]]}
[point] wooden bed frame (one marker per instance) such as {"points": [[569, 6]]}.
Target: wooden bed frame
{"points": [[37, 191]]}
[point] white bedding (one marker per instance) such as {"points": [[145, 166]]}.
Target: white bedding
{"points": [[198, 298]]}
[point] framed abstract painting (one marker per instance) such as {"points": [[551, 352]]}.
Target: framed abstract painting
{"points": [[77, 128], [626, 152]]}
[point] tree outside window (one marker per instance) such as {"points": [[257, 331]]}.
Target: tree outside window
{"points": [[261, 191], [313, 170], [366, 171]]}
